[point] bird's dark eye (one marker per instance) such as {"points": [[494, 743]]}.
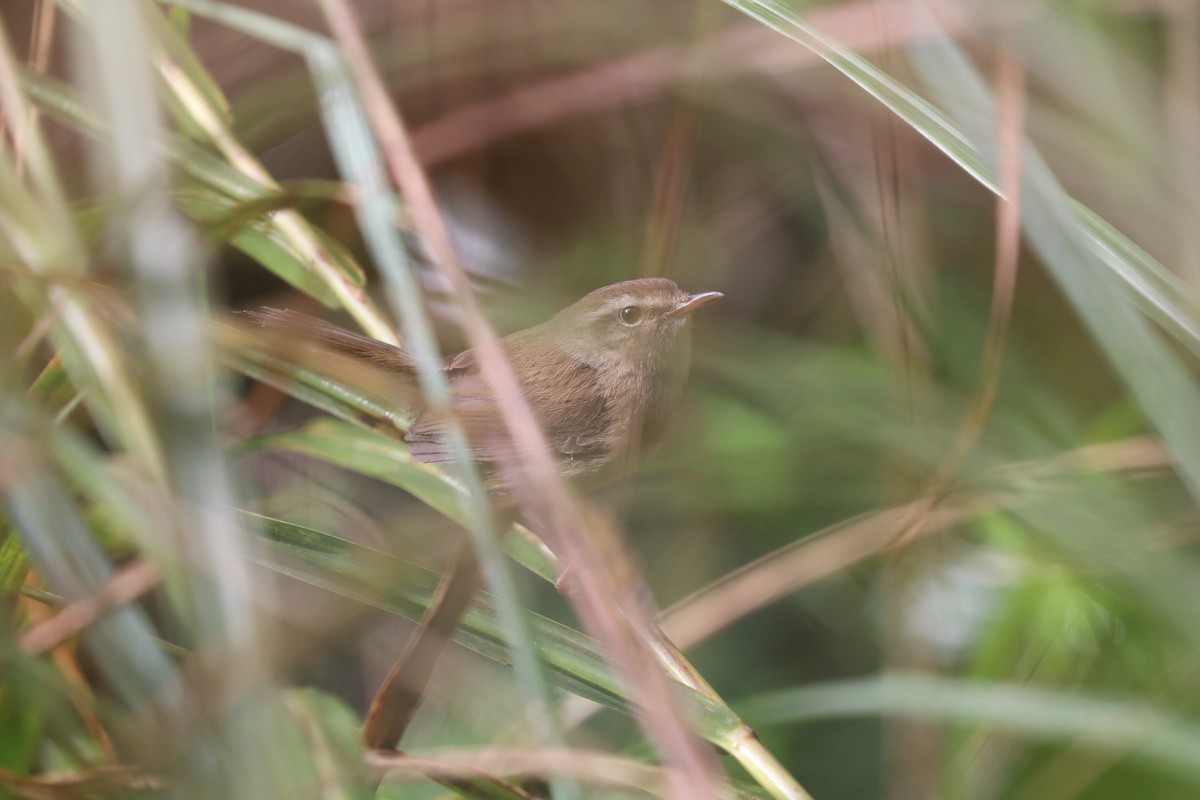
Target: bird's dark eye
{"points": [[631, 314]]}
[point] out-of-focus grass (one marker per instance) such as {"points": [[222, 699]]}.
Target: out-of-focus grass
{"points": [[901, 609]]}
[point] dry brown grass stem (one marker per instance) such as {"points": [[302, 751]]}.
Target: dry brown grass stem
{"points": [[402, 691], [1010, 94], [41, 42], [126, 586], [109, 780], [590, 767], [67, 662], [778, 574]]}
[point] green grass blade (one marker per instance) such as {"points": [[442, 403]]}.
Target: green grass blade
{"points": [[368, 576], [1111, 724], [381, 457]]}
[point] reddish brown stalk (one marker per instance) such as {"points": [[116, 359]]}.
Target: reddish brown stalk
{"points": [[601, 769], [401, 693], [41, 41], [841, 546], [101, 781], [130, 583], [1010, 95], [68, 667], [602, 605], [40, 330], [776, 575], [912, 749], [675, 171], [670, 193]]}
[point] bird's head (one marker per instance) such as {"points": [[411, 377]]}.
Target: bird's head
{"points": [[637, 320]]}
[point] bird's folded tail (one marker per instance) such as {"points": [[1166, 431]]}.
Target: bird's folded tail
{"points": [[287, 344], [314, 330]]}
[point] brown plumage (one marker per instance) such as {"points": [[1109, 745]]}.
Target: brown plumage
{"points": [[602, 377]]}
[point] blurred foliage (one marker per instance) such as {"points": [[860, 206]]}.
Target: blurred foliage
{"points": [[204, 577]]}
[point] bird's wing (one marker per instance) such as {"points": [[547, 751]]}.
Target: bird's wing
{"points": [[562, 393], [474, 407]]}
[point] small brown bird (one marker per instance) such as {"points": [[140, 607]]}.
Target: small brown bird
{"points": [[602, 376]]}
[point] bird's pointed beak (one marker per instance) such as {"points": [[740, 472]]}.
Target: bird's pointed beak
{"points": [[692, 302]]}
